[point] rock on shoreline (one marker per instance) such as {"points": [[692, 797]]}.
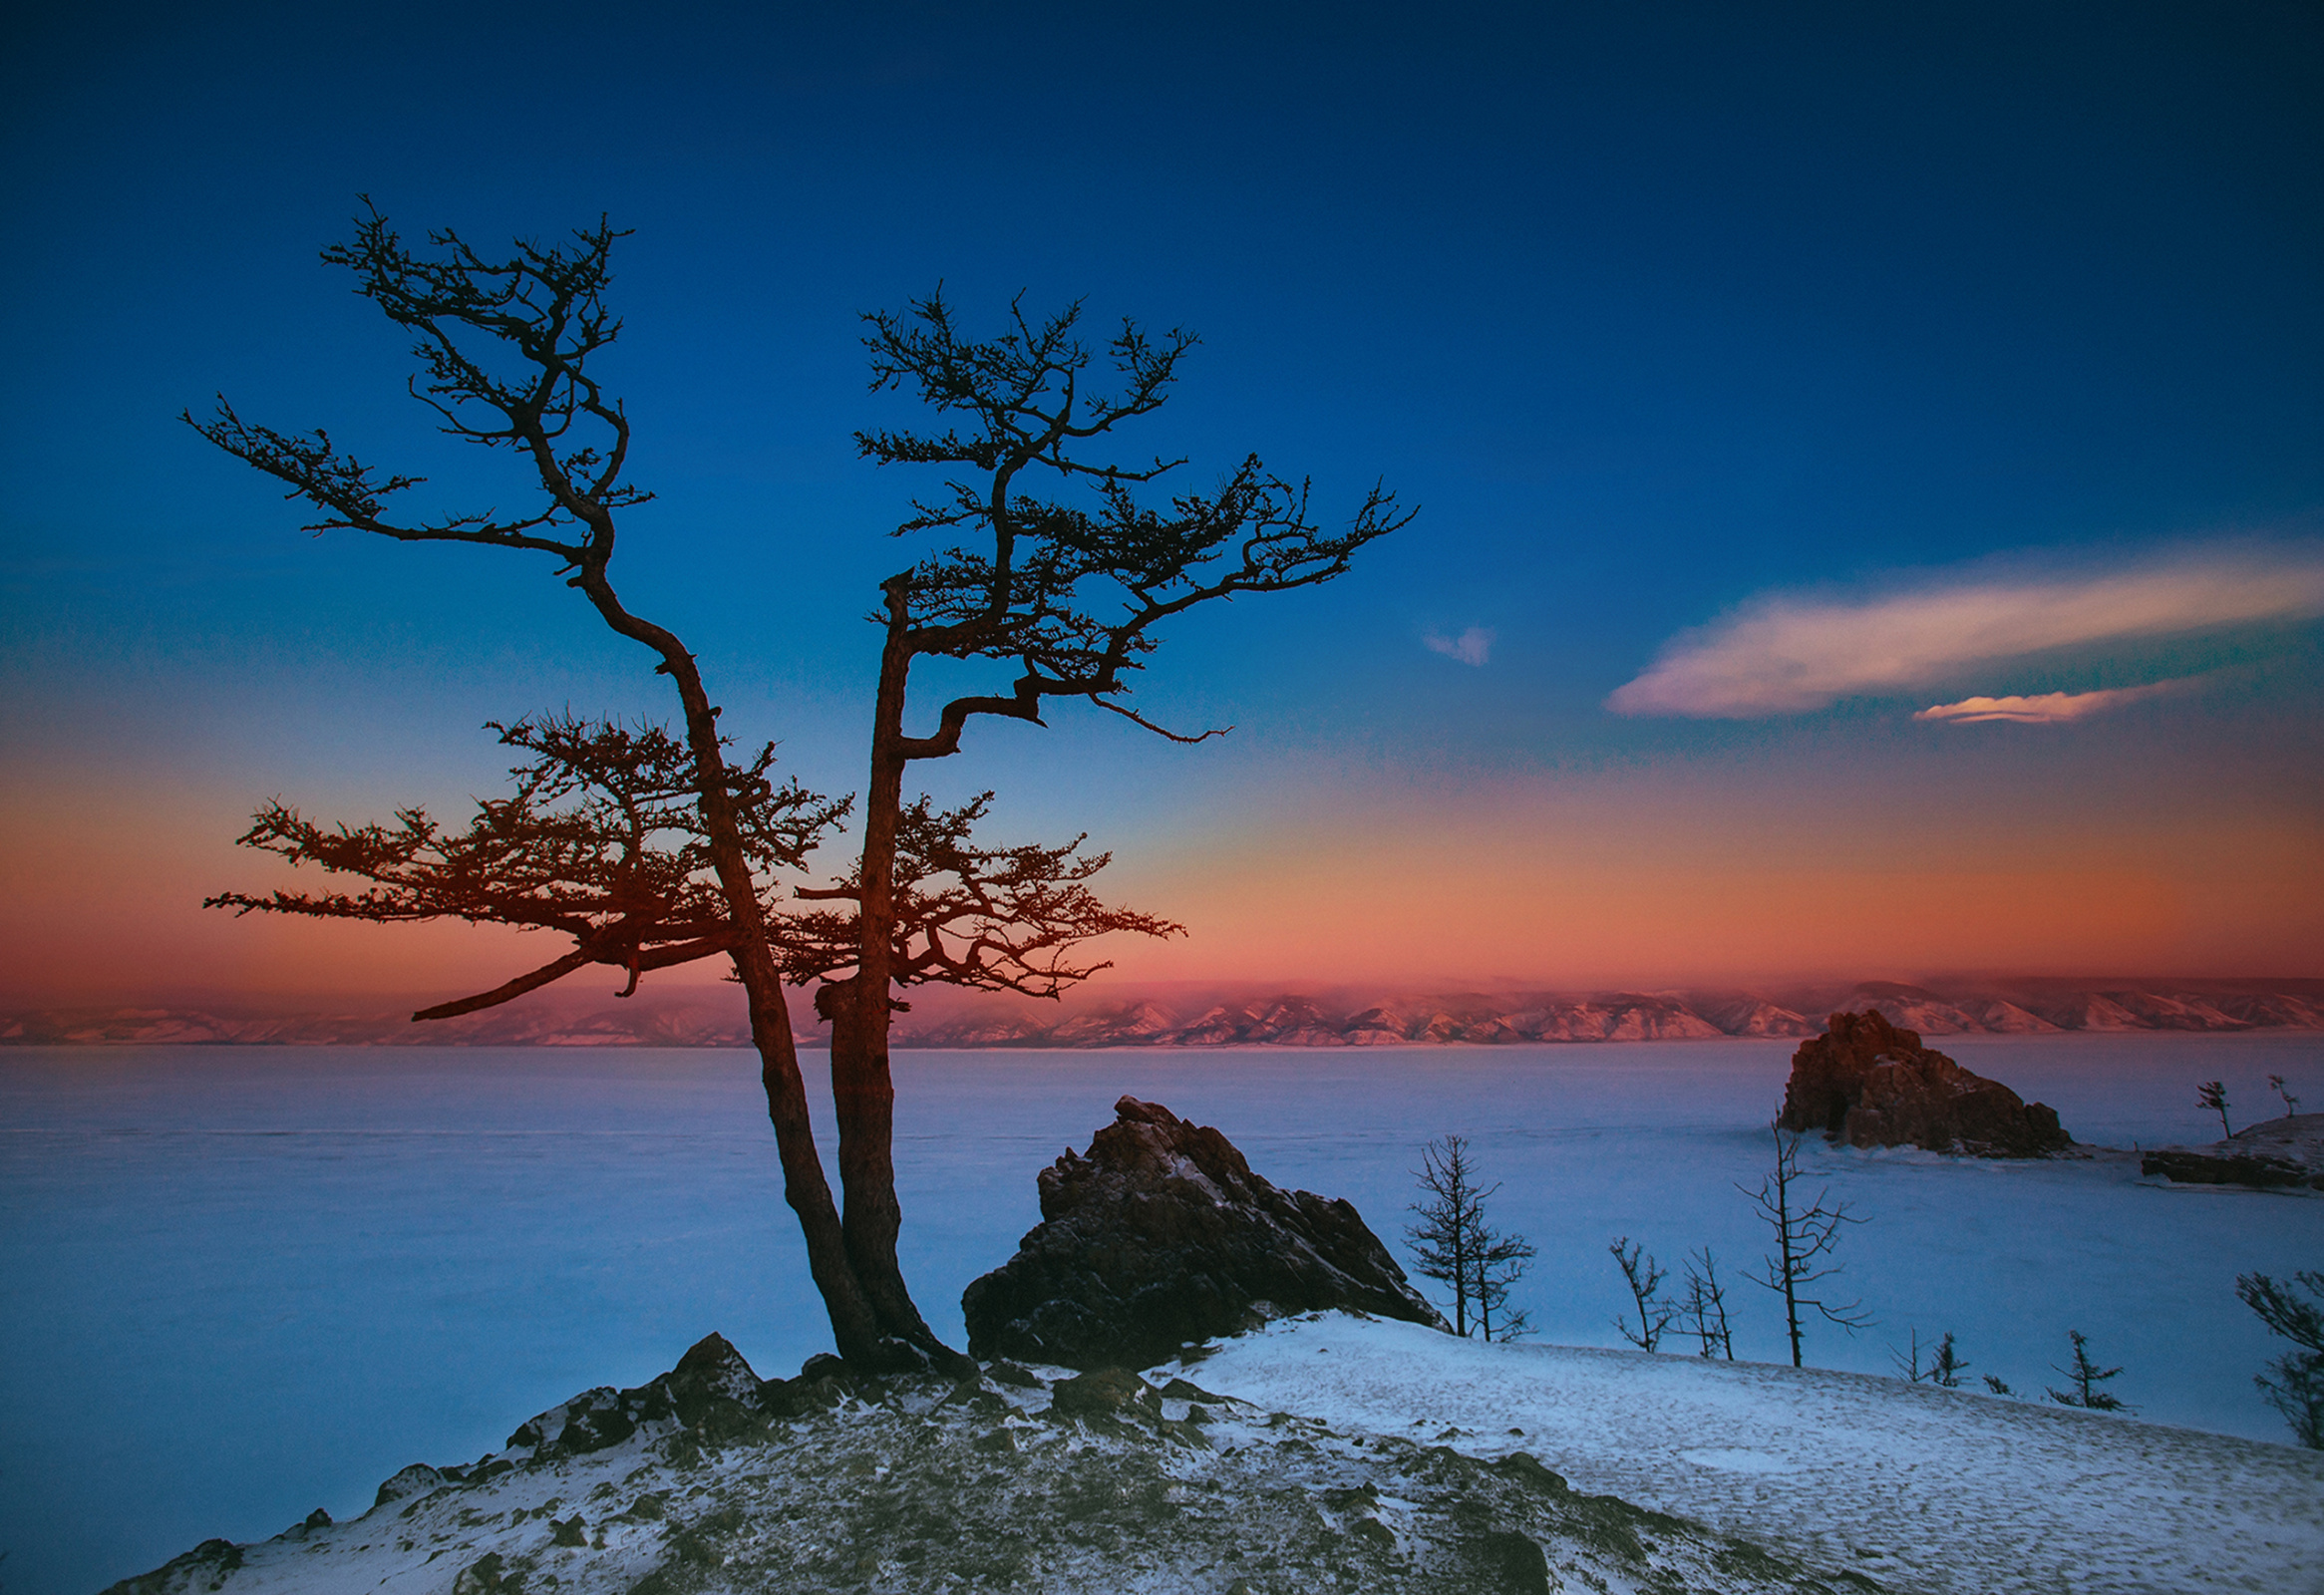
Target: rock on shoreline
{"points": [[2273, 1154], [1162, 1236], [1870, 1084]]}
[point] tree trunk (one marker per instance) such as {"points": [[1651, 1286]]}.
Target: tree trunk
{"points": [[856, 1329], [860, 1012]]}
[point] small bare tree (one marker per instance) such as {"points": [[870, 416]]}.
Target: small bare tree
{"points": [[2214, 1096], [1501, 1263], [1804, 1234], [2296, 1387], [1908, 1361], [1945, 1363], [1456, 1246], [1644, 1277], [1705, 1308], [2086, 1376], [2275, 1082]]}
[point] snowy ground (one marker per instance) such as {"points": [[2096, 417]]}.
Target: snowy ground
{"points": [[1327, 1453], [1094, 1486], [1918, 1487], [236, 1284]]}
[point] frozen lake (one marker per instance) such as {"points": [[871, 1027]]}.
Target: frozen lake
{"points": [[236, 1284]]}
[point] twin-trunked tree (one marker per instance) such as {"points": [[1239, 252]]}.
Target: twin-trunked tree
{"points": [[649, 849]]}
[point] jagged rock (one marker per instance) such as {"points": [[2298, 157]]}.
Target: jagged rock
{"points": [[417, 1479], [201, 1571], [1162, 1236], [1870, 1084], [2272, 1154], [712, 1395]]}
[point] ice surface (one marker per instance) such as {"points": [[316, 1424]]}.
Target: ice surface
{"points": [[239, 1283]]}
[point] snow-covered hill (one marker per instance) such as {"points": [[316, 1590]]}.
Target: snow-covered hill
{"points": [[1918, 1487], [1331, 1451]]}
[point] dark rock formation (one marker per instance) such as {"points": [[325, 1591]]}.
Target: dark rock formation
{"points": [[2273, 1154], [1870, 1084], [1163, 1236]]}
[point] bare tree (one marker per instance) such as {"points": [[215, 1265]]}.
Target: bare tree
{"points": [[1705, 1308], [1501, 1263], [504, 345], [1644, 1277], [1944, 1367], [2086, 1376], [1450, 1213], [2214, 1096], [2275, 1082], [1803, 1235], [1069, 593], [1456, 1246], [2294, 1382]]}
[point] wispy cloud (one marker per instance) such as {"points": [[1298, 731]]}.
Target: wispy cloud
{"points": [[1782, 654], [1472, 647], [2045, 708]]}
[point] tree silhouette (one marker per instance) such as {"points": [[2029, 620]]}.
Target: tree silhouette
{"points": [[2086, 1376], [2214, 1096], [2294, 1382], [1803, 1234], [503, 345], [1644, 1277], [1455, 1245], [1704, 1310], [1069, 592]]}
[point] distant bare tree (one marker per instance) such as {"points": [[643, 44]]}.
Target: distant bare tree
{"points": [[1948, 1365], [1456, 1246], [1907, 1362], [1501, 1263], [2086, 1376], [1803, 1235], [1644, 1277], [1705, 1307], [2275, 1082], [2214, 1096]]}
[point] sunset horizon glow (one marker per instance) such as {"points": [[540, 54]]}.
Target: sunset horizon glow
{"points": [[1871, 475]]}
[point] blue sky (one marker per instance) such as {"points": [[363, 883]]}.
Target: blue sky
{"points": [[1664, 314]]}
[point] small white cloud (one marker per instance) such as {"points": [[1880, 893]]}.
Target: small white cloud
{"points": [[1782, 654], [1472, 647], [2043, 709]]}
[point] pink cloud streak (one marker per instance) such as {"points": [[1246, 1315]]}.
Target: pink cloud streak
{"points": [[1783, 655]]}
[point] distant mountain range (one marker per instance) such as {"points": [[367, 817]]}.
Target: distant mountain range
{"points": [[712, 1016]]}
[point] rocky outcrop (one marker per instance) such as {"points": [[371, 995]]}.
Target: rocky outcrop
{"points": [[2274, 1154], [1870, 1084], [1162, 1236], [1095, 1485]]}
